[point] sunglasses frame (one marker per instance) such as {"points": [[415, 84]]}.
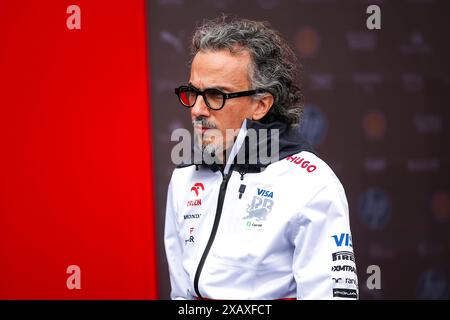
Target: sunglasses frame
{"points": [[224, 95]]}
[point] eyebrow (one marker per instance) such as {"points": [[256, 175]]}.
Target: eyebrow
{"points": [[213, 87]]}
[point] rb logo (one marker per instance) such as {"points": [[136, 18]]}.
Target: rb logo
{"points": [[259, 208]]}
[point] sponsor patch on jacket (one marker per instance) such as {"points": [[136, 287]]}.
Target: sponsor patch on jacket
{"points": [[257, 211], [345, 280], [343, 239], [345, 293], [300, 161], [343, 255], [343, 268], [191, 216], [197, 188], [194, 203], [190, 236]]}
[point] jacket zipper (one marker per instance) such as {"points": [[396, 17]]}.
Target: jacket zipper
{"points": [[222, 191]]}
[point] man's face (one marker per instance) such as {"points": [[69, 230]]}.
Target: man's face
{"points": [[228, 73]]}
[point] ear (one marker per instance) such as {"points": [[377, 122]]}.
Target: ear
{"points": [[262, 107]]}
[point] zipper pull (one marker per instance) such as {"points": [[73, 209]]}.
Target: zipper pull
{"points": [[241, 190]]}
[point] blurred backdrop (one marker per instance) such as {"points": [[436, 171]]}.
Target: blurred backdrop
{"points": [[86, 116], [377, 111]]}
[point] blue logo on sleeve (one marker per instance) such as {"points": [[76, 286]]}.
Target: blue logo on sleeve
{"points": [[343, 239]]}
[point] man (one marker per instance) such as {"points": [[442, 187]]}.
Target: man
{"points": [[239, 227]]}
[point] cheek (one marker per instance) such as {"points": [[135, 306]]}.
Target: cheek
{"points": [[237, 115]]}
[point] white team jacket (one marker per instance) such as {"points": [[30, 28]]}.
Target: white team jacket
{"points": [[279, 233]]}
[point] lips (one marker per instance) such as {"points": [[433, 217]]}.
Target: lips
{"points": [[201, 129]]}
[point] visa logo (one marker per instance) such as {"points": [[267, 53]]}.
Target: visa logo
{"points": [[265, 193], [343, 239]]}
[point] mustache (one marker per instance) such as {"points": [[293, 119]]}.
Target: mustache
{"points": [[202, 122]]}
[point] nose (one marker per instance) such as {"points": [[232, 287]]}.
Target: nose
{"points": [[200, 109]]}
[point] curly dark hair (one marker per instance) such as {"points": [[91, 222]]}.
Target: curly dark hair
{"points": [[274, 66]]}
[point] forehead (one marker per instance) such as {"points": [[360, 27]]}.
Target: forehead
{"points": [[220, 69]]}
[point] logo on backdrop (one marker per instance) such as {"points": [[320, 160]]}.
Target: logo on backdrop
{"points": [[412, 82], [375, 165], [374, 208], [440, 206], [367, 82], [423, 165], [314, 125], [322, 81], [427, 123], [174, 41], [374, 125], [361, 40], [416, 44], [269, 4], [432, 285], [307, 41]]}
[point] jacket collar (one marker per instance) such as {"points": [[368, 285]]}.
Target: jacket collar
{"points": [[248, 156]]}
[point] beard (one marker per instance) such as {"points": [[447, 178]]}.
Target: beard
{"points": [[209, 141]]}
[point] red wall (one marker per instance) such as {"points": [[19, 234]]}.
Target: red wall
{"points": [[75, 153]]}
